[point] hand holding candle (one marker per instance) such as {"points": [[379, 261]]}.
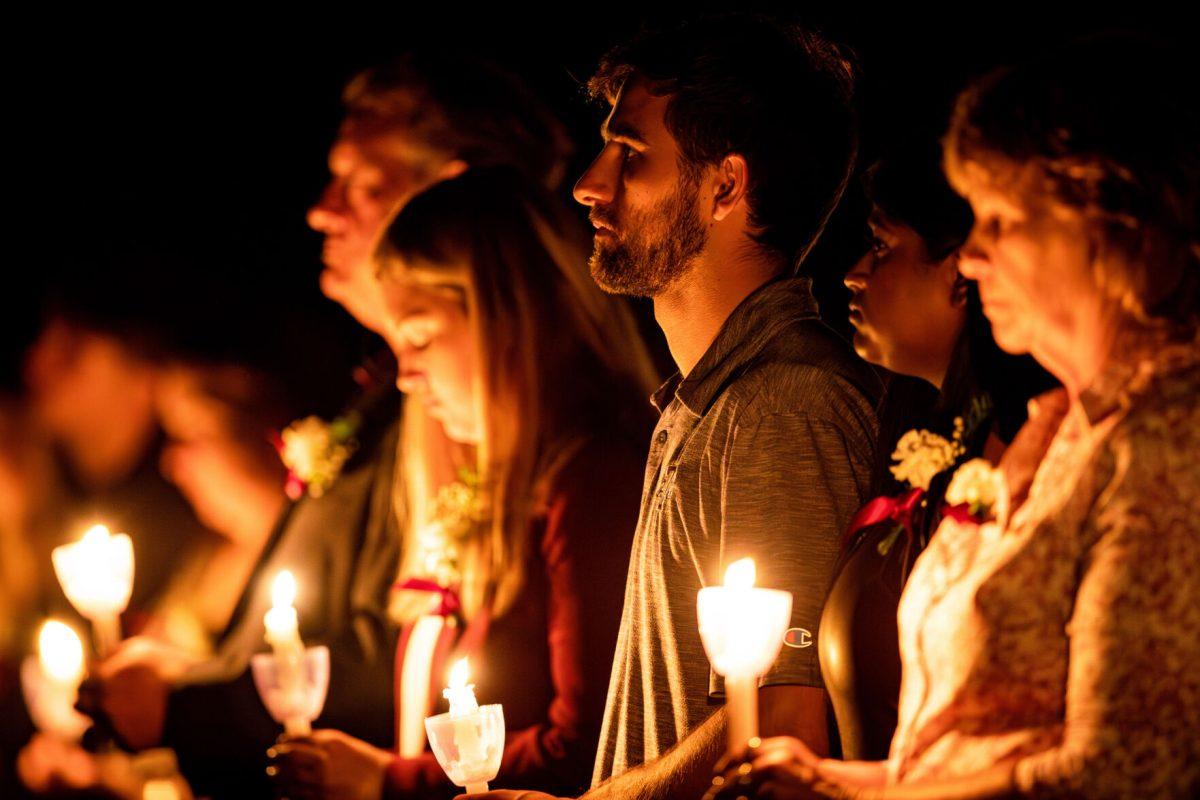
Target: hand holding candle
{"points": [[742, 628], [96, 574], [468, 741], [51, 682]]}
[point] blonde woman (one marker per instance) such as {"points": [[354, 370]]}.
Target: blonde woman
{"points": [[517, 535]]}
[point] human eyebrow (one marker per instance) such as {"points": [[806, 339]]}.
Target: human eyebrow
{"points": [[623, 132]]}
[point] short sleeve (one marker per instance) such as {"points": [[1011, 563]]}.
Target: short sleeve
{"points": [[791, 482]]}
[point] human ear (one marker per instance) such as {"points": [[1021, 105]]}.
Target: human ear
{"points": [[732, 179]]}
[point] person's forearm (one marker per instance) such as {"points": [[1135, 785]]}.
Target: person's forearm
{"points": [[684, 771], [868, 774], [990, 784]]}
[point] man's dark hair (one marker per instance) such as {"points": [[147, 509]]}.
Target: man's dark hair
{"points": [[459, 105], [774, 93]]}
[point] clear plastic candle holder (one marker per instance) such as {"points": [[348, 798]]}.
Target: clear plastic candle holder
{"points": [[469, 747], [293, 691], [742, 629], [51, 703]]}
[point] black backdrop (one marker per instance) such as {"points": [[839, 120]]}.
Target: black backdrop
{"points": [[207, 129]]}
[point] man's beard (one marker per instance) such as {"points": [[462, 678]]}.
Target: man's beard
{"points": [[655, 248]]}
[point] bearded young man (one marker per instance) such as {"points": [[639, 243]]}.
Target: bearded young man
{"points": [[728, 145]]}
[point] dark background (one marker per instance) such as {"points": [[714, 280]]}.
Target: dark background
{"points": [[205, 134]]}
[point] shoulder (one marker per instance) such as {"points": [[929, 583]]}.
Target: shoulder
{"points": [[1146, 471], [807, 369]]}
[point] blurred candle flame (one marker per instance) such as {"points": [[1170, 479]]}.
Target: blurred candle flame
{"points": [[283, 590], [60, 652], [740, 574], [459, 674]]}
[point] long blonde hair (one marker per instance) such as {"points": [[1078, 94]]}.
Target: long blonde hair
{"points": [[558, 361]]}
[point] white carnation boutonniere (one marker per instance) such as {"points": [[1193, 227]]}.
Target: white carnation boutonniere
{"points": [[436, 567], [980, 491], [314, 451], [921, 455]]}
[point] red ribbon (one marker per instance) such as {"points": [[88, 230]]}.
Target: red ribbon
{"points": [[898, 509], [448, 604], [960, 513]]}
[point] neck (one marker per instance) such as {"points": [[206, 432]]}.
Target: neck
{"points": [[692, 310], [1077, 356]]}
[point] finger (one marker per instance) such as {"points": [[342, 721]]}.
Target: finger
{"points": [[299, 764]]}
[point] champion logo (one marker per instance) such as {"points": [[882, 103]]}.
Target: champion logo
{"points": [[798, 638]]}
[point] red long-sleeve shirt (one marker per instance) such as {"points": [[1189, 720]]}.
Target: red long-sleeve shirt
{"points": [[547, 659]]}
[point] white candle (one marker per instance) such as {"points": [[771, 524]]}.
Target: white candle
{"points": [[283, 634], [60, 653], [464, 713], [96, 574], [51, 681], [416, 675], [742, 628], [283, 626]]}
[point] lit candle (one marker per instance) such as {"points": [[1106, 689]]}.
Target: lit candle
{"points": [[464, 711], [283, 634], [468, 741], [283, 626], [96, 574], [51, 681], [60, 653], [742, 628]]}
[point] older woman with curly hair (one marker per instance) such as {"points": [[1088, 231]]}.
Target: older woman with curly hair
{"points": [[1053, 648]]}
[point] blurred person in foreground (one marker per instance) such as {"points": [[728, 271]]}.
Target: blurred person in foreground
{"points": [[1054, 649]]}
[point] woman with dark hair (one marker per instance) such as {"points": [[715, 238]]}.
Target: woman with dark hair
{"points": [[916, 316], [1054, 650], [518, 488]]}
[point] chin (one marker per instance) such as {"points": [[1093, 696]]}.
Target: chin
{"points": [[865, 348], [1013, 342]]}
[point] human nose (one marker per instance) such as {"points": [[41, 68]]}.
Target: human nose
{"points": [[328, 212], [858, 276], [596, 185], [973, 259]]}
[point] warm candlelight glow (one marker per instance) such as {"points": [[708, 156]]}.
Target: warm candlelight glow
{"points": [[740, 574], [742, 628], [460, 693], [459, 674], [60, 652], [283, 590], [282, 624], [96, 572]]}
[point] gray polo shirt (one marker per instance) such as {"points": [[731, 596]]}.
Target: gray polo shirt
{"points": [[764, 450]]}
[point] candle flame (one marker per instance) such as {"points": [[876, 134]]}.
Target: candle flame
{"points": [[96, 535], [283, 590], [459, 674], [60, 651], [740, 574]]}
